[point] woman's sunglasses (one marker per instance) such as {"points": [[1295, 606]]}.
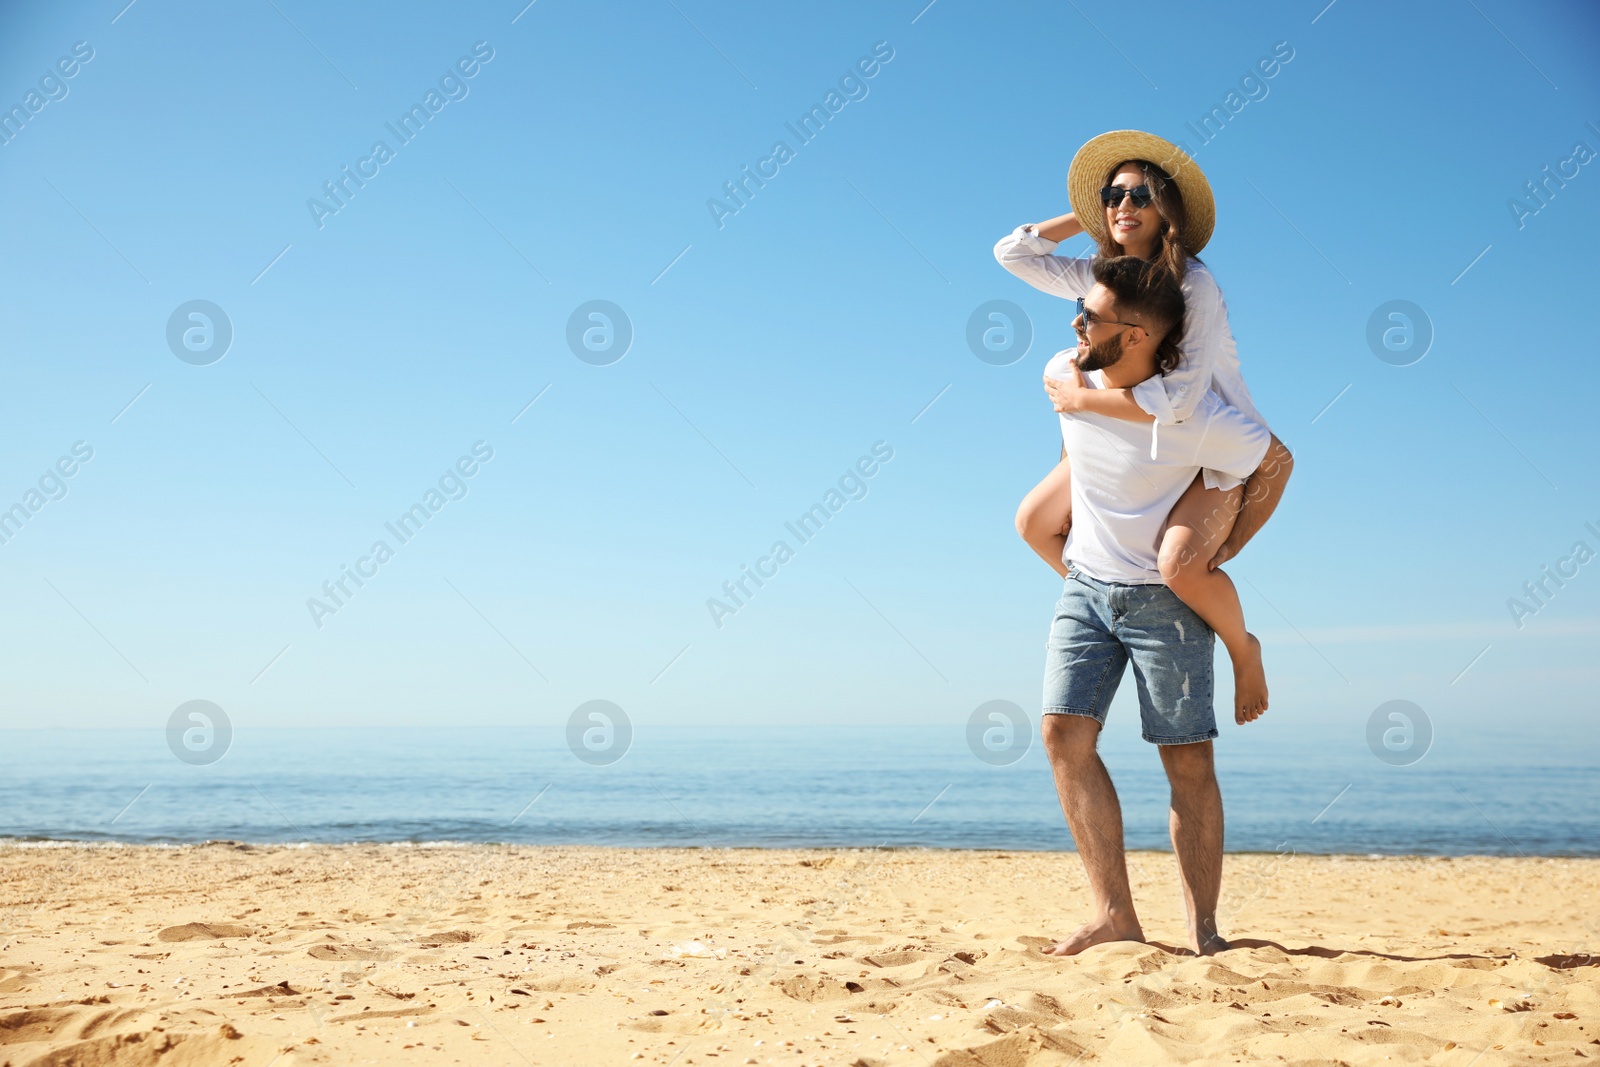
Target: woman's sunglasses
{"points": [[1111, 195]]}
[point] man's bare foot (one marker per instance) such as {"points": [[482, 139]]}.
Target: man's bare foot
{"points": [[1203, 937], [1249, 683], [1095, 932]]}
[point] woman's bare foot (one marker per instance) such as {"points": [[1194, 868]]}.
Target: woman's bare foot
{"points": [[1096, 932], [1249, 683], [1211, 945]]}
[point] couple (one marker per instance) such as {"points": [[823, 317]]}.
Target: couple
{"points": [[1166, 471]]}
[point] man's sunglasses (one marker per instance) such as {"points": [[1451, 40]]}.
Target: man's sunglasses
{"points": [[1091, 319], [1111, 195]]}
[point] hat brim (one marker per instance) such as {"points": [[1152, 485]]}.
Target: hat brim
{"points": [[1099, 155]]}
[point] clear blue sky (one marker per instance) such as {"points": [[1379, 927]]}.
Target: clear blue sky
{"points": [[776, 350]]}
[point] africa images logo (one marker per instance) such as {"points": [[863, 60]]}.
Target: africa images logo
{"points": [[852, 485], [452, 88], [452, 485], [852, 86]]}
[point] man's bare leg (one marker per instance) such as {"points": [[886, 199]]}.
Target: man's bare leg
{"points": [[1196, 824], [1089, 801]]}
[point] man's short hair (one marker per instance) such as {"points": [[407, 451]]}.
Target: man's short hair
{"points": [[1146, 294]]}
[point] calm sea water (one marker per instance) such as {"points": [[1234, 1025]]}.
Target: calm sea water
{"points": [[1473, 793]]}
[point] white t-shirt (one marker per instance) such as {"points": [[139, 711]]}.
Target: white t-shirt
{"points": [[1121, 497], [1210, 356]]}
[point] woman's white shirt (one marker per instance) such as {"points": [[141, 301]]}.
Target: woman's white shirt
{"points": [[1210, 358]]}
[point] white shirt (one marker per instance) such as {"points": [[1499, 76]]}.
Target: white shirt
{"points": [[1210, 357], [1121, 496]]}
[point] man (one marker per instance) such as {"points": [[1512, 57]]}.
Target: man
{"points": [[1114, 607]]}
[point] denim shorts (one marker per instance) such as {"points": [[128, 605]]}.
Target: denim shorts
{"points": [[1100, 626]]}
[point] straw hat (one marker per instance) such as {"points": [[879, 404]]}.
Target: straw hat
{"points": [[1094, 161]]}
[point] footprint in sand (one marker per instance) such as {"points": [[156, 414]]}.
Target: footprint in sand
{"points": [[203, 932], [449, 937], [345, 952], [74, 1036], [13, 981]]}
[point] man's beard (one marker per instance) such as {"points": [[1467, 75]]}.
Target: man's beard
{"points": [[1101, 356]]}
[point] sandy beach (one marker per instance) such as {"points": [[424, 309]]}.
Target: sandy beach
{"points": [[257, 955]]}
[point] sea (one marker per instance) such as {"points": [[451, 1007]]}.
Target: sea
{"points": [[1304, 791]]}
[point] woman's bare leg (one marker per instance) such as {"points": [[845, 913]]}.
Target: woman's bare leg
{"points": [[1200, 521], [1045, 515]]}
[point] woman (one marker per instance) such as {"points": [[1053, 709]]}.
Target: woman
{"points": [[1137, 194]]}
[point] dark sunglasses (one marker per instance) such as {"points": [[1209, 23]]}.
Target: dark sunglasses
{"points": [[1091, 319], [1111, 195]]}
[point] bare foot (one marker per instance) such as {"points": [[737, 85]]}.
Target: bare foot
{"points": [[1249, 683], [1095, 932], [1204, 939]]}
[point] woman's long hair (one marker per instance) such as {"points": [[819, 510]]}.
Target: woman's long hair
{"points": [[1171, 252]]}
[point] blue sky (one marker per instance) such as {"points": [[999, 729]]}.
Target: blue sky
{"points": [[769, 353]]}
